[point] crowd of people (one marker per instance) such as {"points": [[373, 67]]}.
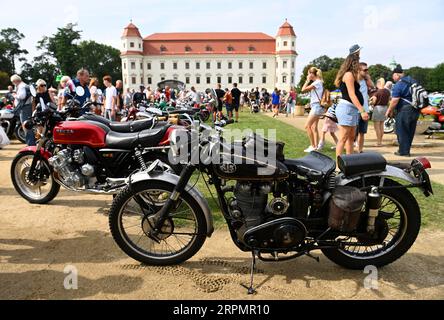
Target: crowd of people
{"points": [[348, 120], [360, 98]]}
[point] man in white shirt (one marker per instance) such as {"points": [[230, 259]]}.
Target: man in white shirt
{"points": [[110, 105], [23, 106], [193, 95]]}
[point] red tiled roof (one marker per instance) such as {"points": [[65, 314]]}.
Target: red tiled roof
{"points": [[209, 43], [131, 31], [286, 30], [131, 53], [287, 52]]}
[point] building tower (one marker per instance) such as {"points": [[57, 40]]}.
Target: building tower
{"points": [[132, 57], [285, 57]]}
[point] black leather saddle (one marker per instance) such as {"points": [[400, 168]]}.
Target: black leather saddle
{"points": [[315, 166], [144, 139], [123, 127]]}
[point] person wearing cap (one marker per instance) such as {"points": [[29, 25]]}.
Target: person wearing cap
{"points": [[23, 106], [407, 116], [351, 107]]}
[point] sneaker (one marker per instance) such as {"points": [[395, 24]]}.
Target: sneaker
{"points": [[310, 149], [321, 145], [333, 148]]}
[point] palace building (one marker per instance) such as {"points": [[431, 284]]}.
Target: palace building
{"points": [[205, 59]]}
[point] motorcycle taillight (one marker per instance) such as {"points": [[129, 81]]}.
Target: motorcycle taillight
{"points": [[425, 162]]}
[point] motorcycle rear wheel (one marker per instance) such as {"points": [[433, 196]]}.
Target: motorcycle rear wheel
{"points": [[20, 134], [130, 224], [32, 192], [397, 201]]}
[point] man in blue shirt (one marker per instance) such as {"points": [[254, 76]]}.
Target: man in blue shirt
{"points": [[407, 116], [82, 80]]}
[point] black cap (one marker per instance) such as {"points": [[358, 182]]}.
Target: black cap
{"points": [[398, 69]]}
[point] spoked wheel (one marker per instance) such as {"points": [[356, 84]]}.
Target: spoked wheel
{"points": [[134, 213], [389, 126], [398, 226], [39, 191]]}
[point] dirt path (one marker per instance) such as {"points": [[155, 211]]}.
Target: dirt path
{"points": [[433, 149], [37, 243]]}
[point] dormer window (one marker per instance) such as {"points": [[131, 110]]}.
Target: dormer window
{"points": [[187, 49], [285, 43], [131, 44], [163, 48], [251, 48], [208, 48], [230, 49]]}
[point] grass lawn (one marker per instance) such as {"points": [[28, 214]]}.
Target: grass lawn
{"points": [[296, 141]]}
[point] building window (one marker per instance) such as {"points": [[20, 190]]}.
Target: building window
{"points": [[197, 80], [292, 64], [162, 79], [124, 45], [208, 65], [219, 65], [251, 48], [187, 49], [284, 79], [140, 46], [141, 80], [264, 80], [141, 65], [230, 65], [241, 65], [292, 79], [230, 80], [219, 80], [251, 80], [163, 48], [187, 80], [131, 44], [293, 44], [208, 80], [285, 43], [176, 78], [162, 66], [197, 65], [241, 80], [133, 65], [148, 65], [208, 48], [284, 64], [124, 66], [230, 49], [187, 65], [264, 65], [251, 65], [175, 65], [133, 80], [150, 80]]}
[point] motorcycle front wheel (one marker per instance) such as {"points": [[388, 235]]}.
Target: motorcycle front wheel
{"points": [[134, 213], [389, 126], [36, 192], [402, 222]]}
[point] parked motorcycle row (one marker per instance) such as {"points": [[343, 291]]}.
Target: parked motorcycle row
{"points": [[277, 210]]}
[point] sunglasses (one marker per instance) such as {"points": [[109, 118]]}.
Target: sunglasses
{"points": [[42, 86]]}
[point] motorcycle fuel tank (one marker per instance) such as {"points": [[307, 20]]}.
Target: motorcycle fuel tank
{"points": [[79, 133]]}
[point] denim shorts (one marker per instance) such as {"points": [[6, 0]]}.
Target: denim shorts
{"points": [[317, 110], [347, 114]]}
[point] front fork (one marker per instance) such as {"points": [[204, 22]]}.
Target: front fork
{"points": [[185, 177], [37, 156]]}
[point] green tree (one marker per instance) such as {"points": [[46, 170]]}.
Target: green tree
{"points": [[63, 47], [378, 71], [4, 80], [10, 49], [100, 59], [419, 74], [41, 68], [435, 79], [329, 79]]}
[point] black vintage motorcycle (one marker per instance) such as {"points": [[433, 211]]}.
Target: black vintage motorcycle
{"points": [[278, 210]]}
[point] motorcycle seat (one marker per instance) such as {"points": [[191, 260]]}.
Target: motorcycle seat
{"points": [[132, 126], [315, 166], [122, 127], [144, 139]]}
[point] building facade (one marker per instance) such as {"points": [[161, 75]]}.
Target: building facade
{"points": [[203, 60]]}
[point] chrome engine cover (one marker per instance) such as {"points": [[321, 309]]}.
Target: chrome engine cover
{"points": [[69, 173]]}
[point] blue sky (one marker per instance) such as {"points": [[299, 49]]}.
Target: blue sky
{"points": [[411, 31]]}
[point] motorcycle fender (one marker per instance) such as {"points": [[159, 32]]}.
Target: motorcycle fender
{"points": [[390, 172], [45, 154], [166, 177]]}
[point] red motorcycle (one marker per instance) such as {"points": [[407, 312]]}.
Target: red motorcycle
{"points": [[85, 156], [438, 118]]}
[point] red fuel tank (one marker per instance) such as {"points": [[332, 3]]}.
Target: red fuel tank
{"points": [[79, 133]]}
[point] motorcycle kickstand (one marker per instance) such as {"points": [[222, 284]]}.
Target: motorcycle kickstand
{"points": [[251, 290]]}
